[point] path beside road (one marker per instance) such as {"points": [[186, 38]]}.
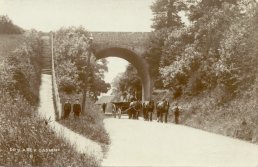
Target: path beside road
{"points": [[46, 111]]}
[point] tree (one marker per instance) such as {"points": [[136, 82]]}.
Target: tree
{"points": [[67, 77], [20, 70], [166, 19], [153, 55], [129, 82], [238, 49], [76, 66], [166, 13], [207, 59], [7, 26], [97, 85]]}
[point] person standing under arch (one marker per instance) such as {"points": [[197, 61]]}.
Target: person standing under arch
{"points": [[104, 105]]}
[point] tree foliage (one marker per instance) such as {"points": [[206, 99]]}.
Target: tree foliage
{"points": [[166, 13], [217, 51], [207, 54], [129, 82], [7, 26], [166, 18], [20, 70], [75, 64]]}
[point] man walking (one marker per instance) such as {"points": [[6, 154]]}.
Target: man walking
{"points": [[166, 109], [138, 108], [77, 109], [177, 114], [151, 109], [104, 105], [67, 108]]}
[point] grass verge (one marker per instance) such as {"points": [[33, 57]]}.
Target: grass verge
{"points": [[26, 140], [90, 125]]}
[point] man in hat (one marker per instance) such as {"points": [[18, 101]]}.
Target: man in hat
{"points": [[77, 109], [104, 105], [166, 109], [177, 112], [67, 108]]}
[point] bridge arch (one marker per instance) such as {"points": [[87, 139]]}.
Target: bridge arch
{"points": [[137, 61]]}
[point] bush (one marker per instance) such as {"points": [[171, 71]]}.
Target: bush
{"points": [[23, 70]]}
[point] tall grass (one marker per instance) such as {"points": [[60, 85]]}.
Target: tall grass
{"points": [[20, 128]]}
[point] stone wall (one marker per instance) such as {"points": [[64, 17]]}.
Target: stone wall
{"points": [[134, 41]]}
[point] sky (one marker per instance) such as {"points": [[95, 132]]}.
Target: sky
{"points": [[115, 68], [94, 15]]}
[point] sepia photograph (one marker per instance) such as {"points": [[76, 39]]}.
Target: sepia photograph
{"points": [[129, 83]]}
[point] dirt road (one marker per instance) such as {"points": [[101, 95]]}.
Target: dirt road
{"points": [[140, 143]]}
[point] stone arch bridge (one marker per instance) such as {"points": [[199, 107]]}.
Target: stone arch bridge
{"points": [[129, 46]]}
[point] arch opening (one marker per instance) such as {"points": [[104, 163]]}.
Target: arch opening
{"points": [[137, 61]]}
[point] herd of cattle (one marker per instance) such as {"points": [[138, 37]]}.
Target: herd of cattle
{"points": [[135, 107]]}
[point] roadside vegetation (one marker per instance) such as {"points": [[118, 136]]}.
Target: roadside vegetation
{"points": [[90, 125], [26, 140], [7, 26], [79, 76], [207, 62]]}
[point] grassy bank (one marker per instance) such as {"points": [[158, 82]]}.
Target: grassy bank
{"points": [[26, 140], [236, 118], [20, 128], [90, 124]]}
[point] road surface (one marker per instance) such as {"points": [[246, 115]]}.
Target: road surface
{"points": [[141, 143]]}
